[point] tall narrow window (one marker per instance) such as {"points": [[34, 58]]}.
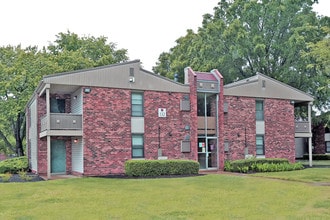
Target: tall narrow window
{"points": [[137, 104], [259, 110], [137, 146], [260, 145]]}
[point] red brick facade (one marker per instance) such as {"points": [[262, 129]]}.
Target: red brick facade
{"points": [[107, 129], [240, 128], [106, 132], [279, 129]]}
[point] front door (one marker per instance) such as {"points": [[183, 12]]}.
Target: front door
{"points": [[58, 156], [207, 153]]}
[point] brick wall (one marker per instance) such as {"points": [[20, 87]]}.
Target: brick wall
{"points": [[172, 127], [42, 143], [221, 125], [279, 129], [107, 129], [240, 127], [192, 80], [106, 132]]}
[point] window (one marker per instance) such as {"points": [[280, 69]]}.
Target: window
{"points": [[137, 104], [137, 146], [259, 110], [260, 145], [327, 146], [57, 105]]}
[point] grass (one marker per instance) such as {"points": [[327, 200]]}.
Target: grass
{"points": [[315, 162], [309, 175], [211, 196]]}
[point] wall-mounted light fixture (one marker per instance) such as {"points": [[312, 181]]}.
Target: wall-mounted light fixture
{"points": [[131, 79], [292, 102], [75, 140], [87, 90]]}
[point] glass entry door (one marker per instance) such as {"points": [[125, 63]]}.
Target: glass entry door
{"points": [[58, 156], [207, 153]]}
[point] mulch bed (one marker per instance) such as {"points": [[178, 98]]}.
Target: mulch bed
{"points": [[16, 178]]}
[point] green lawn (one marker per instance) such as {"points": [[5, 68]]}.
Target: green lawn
{"points": [[315, 162], [213, 196]]}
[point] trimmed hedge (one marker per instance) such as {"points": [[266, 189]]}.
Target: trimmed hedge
{"points": [[317, 156], [152, 168], [14, 165], [261, 165]]}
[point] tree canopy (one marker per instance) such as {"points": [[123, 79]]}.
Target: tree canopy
{"points": [[281, 39], [21, 69]]}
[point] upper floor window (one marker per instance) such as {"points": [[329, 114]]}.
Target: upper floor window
{"points": [[259, 110], [137, 104], [57, 105]]}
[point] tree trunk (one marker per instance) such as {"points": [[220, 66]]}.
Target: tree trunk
{"points": [[18, 134], [8, 145]]}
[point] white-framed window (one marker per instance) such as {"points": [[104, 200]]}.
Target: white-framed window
{"points": [[137, 146], [259, 110], [137, 104], [260, 145]]}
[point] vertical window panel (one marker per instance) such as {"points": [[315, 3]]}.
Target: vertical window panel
{"points": [[137, 146], [260, 146], [137, 104], [259, 110]]}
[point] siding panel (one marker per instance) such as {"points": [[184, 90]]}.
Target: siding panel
{"points": [[77, 156], [33, 135]]}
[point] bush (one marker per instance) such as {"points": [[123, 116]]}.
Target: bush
{"points": [[5, 177], [14, 165], [151, 168], [261, 165], [317, 157]]}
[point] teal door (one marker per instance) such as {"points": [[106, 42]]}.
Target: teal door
{"points": [[58, 156]]}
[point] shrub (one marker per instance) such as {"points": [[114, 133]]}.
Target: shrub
{"points": [[24, 176], [261, 165], [317, 157], [14, 165], [5, 177], [148, 168]]}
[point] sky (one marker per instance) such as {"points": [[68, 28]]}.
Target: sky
{"points": [[146, 28]]}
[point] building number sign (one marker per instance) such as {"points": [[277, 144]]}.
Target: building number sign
{"points": [[162, 112]]}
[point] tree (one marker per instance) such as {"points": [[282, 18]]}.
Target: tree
{"points": [[22, 69], [91, 51], [244, 37]]}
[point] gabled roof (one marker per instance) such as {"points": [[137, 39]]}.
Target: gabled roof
{"points": [[262, 86], [127, 75]]}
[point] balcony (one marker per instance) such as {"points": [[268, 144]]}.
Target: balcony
{"points": [[61, 124], [302, 129]]}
